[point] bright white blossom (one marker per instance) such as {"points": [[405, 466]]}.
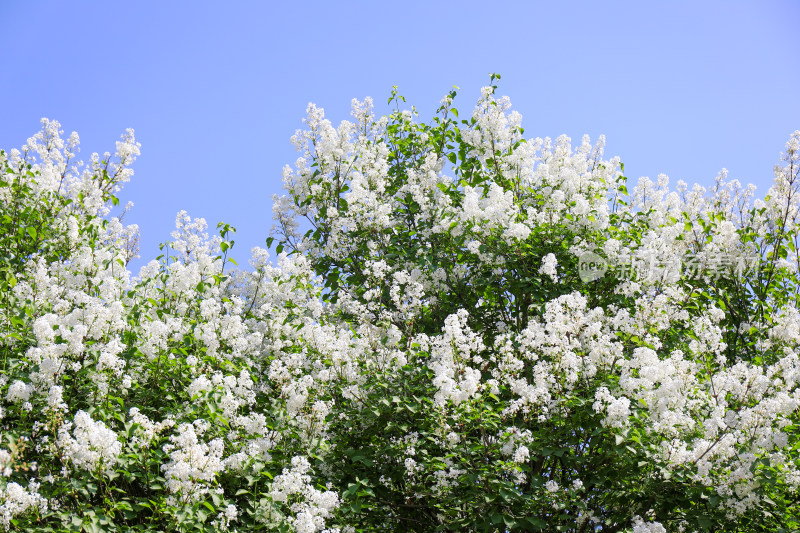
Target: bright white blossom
{"points": [[89, 444]]}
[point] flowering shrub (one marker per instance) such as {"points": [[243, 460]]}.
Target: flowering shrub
{"points": [[464, 329]]}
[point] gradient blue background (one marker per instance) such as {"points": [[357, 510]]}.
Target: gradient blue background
{"points": [[214, 90]]}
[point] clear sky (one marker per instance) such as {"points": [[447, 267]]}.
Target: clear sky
{"points": [[215, 90]]}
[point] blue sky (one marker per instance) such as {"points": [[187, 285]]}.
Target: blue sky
{"points": [[214, 90]]}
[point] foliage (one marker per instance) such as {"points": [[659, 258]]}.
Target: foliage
{"points": [[464, 330]]}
